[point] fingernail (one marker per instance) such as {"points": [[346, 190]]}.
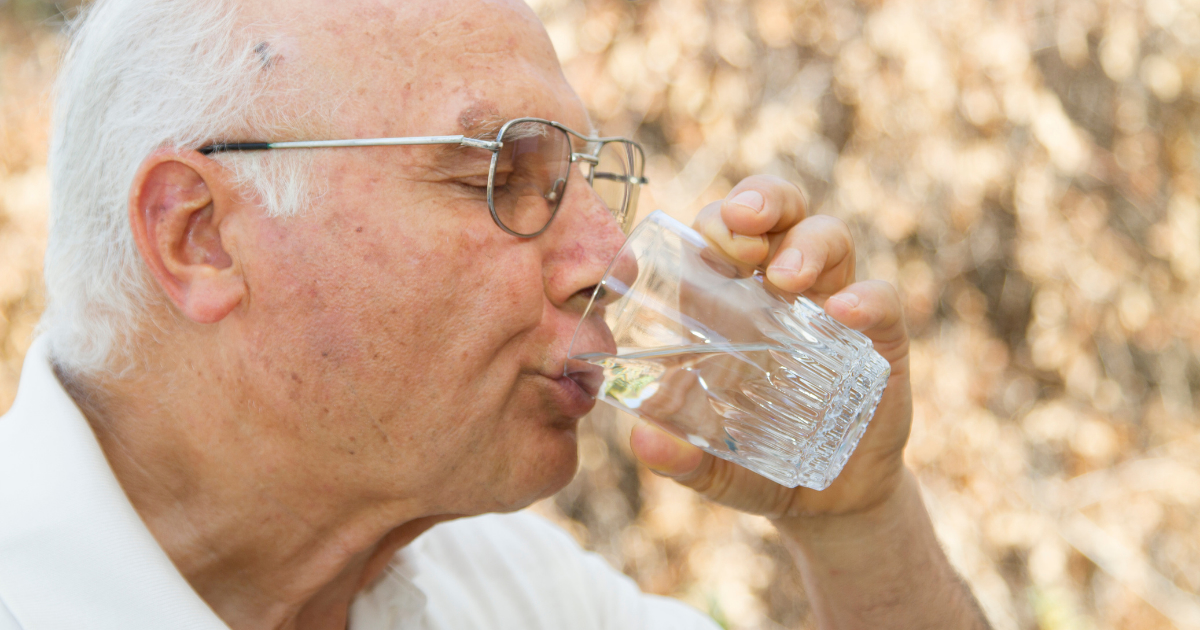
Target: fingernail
{"points": [[849, 299], [745, 237], [788, 260], [751, 199]]}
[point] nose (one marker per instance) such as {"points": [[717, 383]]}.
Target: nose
{"points": [[581, 241]]}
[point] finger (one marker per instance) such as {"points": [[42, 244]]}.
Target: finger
{"points": [[664, 453], [716, 479], [817, 256], [763, 204], [749, 249], [873, 308]]}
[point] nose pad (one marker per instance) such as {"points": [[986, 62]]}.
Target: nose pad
{"points": [[556, 190]]}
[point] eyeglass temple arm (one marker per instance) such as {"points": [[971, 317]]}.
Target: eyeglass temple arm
{"points": [[368, 142], [221, 147]]}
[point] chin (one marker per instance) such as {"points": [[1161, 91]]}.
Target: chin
{"points": [[539, 472]]}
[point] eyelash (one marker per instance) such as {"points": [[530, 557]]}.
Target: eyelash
{"points": [[480, 189], [473, 190]]}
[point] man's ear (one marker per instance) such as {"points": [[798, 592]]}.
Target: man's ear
{"points": [[180, 208]]}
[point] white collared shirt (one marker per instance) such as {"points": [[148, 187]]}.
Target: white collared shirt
{"points": [[74, 554]]}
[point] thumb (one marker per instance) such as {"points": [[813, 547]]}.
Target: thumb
{"points": [[664, 453]]}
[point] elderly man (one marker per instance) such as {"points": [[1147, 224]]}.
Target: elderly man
{"points": [[269, 374]]}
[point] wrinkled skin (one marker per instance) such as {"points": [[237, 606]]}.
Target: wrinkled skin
{"points": [[423, 342], [386, 360], [345, 379]]}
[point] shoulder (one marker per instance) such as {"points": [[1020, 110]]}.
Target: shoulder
{"points": [[519, 570]]}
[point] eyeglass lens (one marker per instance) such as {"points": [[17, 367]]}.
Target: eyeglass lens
{"points": [[531, 175], [610, 176]]}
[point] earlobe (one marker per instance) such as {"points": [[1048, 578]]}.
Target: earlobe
{"points": [[181, 207]]}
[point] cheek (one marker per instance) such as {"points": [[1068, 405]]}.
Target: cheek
{"points": [[478, 290], [389, 313]]}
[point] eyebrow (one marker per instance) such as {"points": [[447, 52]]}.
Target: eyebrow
{"points": [[485, 128], [488, 128], [480, 121]]}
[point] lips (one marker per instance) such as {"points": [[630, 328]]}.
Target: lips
{"points": [[570, 396], [587, 376], [592, 338]]}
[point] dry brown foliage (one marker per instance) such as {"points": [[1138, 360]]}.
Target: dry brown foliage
{"points": [[1024, 170]]}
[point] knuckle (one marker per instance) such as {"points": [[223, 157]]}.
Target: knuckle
{"points": [[768, 185], [715, 480], [891, 304], [888, 290], [879, 292], [800, 193], [830, 225], [760, 179], [700, 478], [791, 187], [782, 189], [776, 181], [789, 190]]}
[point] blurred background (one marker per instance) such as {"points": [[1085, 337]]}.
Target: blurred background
{"points": [[1025, 171]]}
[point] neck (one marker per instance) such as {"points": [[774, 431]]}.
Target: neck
{"points": [[264, 537]]}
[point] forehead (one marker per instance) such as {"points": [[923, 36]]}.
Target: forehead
{"points": [[392, 68]]}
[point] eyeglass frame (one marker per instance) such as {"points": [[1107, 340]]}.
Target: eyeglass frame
{"points": [[632, 181]]}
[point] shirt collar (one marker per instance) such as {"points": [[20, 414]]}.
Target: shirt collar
{"points": [[393, 600]]}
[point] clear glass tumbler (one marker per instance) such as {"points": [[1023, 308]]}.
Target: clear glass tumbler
{"points": [[679, 335]]}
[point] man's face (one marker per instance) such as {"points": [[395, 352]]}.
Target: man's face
{"points": [[405, 344]]}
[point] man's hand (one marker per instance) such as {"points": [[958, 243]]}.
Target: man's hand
{"points": [[763, 221], [865, 546]]}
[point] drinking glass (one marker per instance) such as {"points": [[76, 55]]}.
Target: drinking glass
{"points": [[682, 336]]}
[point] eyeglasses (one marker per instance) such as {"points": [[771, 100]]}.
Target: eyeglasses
{"points": [[531, 163]]}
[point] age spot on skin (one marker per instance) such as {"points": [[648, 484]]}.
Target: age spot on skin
{"points": [[266, 56], [478, 114]]}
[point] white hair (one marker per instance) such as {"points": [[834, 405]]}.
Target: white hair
{"points": [[140, 75]]}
